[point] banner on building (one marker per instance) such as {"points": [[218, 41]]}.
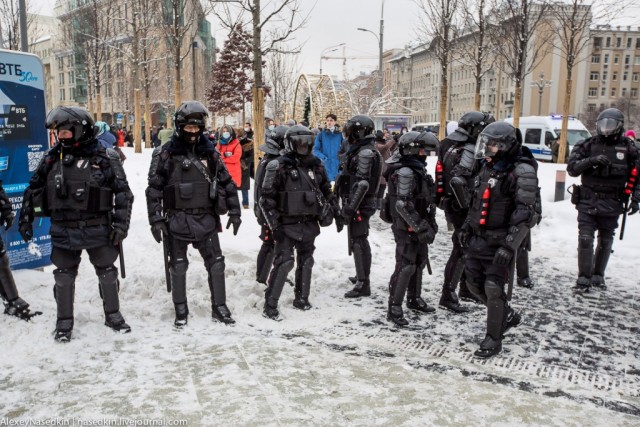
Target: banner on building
{"points": [[23, 143]]}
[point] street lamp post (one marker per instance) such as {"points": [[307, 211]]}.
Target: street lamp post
{"points": [[327, 50], [380, 39], [541, 84]]}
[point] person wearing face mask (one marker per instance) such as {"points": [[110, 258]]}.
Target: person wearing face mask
{"points": [[83, 188], [502, 212], [295, 200], [189, 188], [270, 124], [410, 208], [327, 146], [246, 163], [231, 151]]}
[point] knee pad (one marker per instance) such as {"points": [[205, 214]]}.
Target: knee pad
{"points": [[179, 268], [474, 288], [218, 265], [104, 271], [493, 290]]}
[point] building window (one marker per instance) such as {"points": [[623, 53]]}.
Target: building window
{"points": [[603, 91], [624, 91], [613, 92], [62, 95], [594, 76], [638, 43], [61, 79], [627, 59], [593, 92], [606, 58], [635, 77], [73, 93], [608, 42], [591, 108], [604, 76], [636, 60], [616, 59], [615, 76], [629, 42], [634, 92], [595, 59], [619, 42], [597, 42], [624, 76]]}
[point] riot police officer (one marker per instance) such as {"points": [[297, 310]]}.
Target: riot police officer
{"points": [[501, 213], [13, 304], [608, 166], [454, 175], [357, 188], [83, 188], [410, 207], [273, 146], [296, 199], [189, 188]]}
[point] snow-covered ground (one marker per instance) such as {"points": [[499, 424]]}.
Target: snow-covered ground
{"points": [[573, 361]]}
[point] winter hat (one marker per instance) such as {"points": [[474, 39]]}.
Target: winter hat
{"points": [[379, 136], [630, 134], [102, 127], [290, 123]]}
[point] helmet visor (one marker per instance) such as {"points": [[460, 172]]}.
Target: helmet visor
{"points": [[486, 146], [608, 126], [302, 144]]}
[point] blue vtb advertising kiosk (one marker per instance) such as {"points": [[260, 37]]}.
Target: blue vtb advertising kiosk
{"points": [[23, 143]]}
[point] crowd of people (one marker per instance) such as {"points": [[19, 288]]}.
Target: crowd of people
{"points": [[485, 182]]}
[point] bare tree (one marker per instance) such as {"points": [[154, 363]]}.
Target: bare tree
{"points": [[178, 18], [272, 24], [474, 45], [572, 36], [10, 24], [282, 70], [439, 29], [630, 109], [522, 21]]}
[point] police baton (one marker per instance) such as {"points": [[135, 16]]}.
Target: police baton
{"points": [[123, 272], [624, 218]]}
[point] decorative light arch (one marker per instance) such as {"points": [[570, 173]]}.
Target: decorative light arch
{"points": [[324, 98]]}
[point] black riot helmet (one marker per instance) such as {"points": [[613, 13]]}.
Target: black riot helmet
{"points": [[417, 144], [499, 139], [299, 139], [74, 119], [190, 113], [474, 122], [358, 127], [610, 123], [274, 140]]}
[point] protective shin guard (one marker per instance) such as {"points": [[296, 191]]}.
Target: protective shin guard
{"points": [[522, 264], [475, 290], [585, 255], [603, 252], [398, 289], [108, 278], [496, 309], [362, 260], [217, 286], [414, 292], [277, 279], [63, 292], [264, 263], [7, 283], [303, 285]]}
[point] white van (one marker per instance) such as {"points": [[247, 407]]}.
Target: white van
{"points": [[434, 126], [540, 132]]}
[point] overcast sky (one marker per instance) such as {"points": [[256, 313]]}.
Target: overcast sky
{"points": [[332, 22]]}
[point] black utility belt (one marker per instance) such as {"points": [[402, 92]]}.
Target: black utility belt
{"points": [[590, 193], [192, 211], [82, 223], [299, 219]]}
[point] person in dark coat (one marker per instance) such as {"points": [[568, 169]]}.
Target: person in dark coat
{"points": [[13, 304], [83, 188], [607, 164], [357, 189], [296, 199], [272, 149], [189, 188], [501, 214], [246, 163], [385, 145]]}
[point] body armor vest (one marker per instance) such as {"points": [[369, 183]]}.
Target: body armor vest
{"points": [[299, 197], [348, 178], [187, 187], [450, 160], [422, 198], [612, 178], [492, 212], [71, 186]]}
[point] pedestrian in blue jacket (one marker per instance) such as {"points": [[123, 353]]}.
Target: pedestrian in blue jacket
{"points": [[327, 146]]}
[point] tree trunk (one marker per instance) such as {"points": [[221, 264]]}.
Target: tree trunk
{"points": [[147, 121], [497, 99], [476, 101], [258, 122], [176, 87], [516, 105], [99, 106], [443, 112], [137, 128], [562, 152]]}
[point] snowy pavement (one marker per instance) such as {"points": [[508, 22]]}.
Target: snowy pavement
{"points": [[573, 360]]}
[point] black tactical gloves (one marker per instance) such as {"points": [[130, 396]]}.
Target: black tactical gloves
{"points": [[235, 221]]}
